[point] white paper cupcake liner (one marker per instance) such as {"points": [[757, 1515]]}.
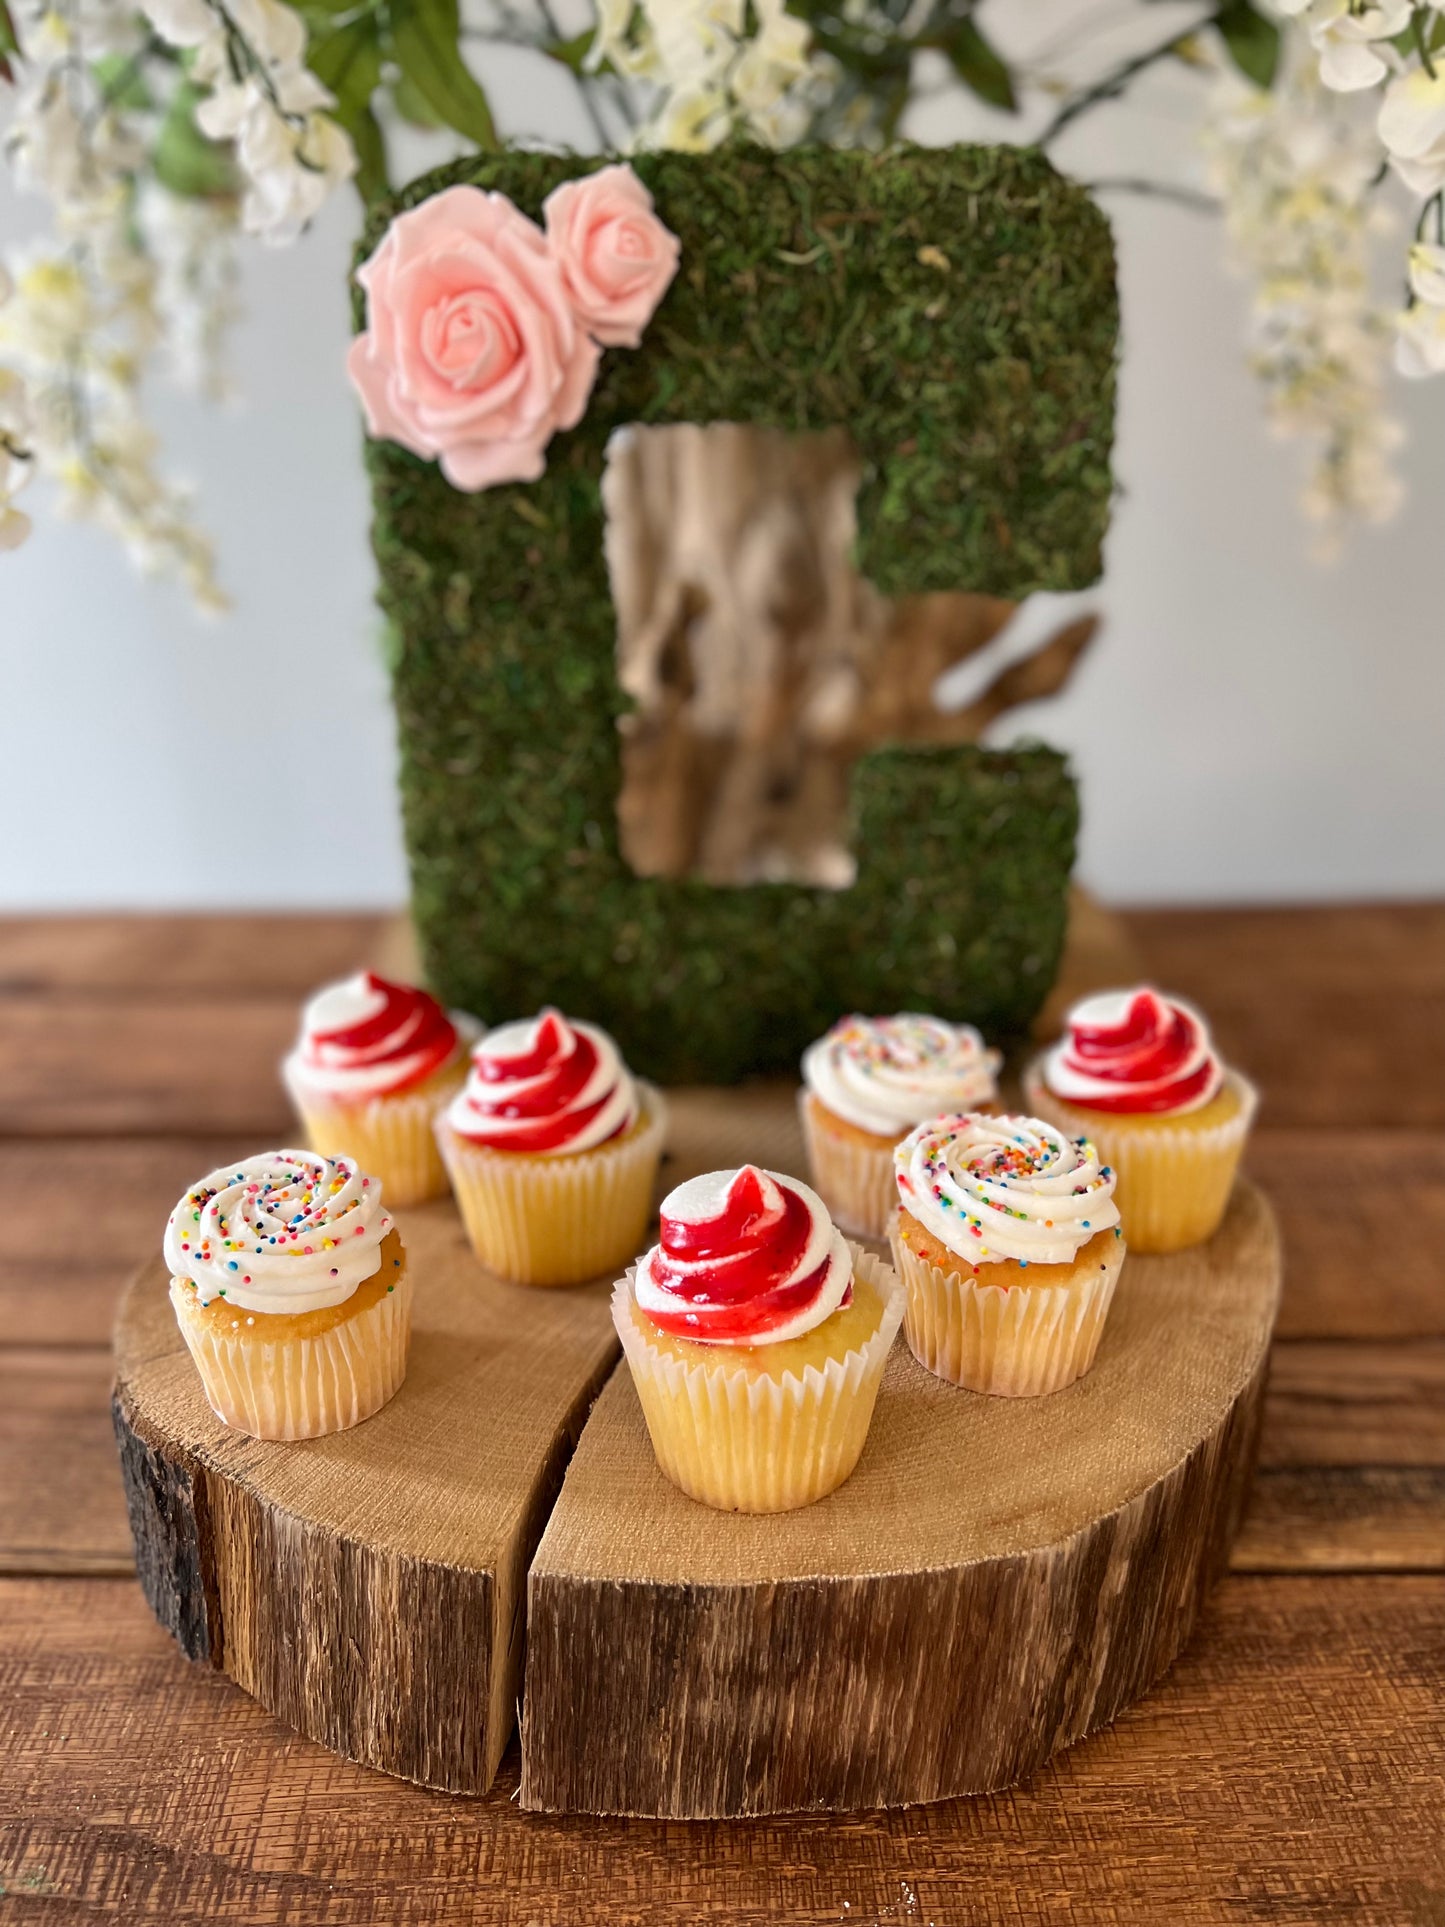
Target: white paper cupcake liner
{"points": [[854, 1180], [1019, 1342], [1173, 1177], [303, 1388], [746, 1443], [558, 1220], [391, 1137]]}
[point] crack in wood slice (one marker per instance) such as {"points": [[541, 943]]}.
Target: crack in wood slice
{"points": [[997, 1579], [368, 1588]]}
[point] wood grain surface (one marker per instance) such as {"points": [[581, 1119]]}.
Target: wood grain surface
{"points": [[369, 1586], [1286, 1769], [997, 1578]]}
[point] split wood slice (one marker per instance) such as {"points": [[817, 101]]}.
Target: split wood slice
{"points": [[998, 1578], [368, 1587]]}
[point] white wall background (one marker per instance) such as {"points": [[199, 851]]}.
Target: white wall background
{"points": [[1251, 725]]}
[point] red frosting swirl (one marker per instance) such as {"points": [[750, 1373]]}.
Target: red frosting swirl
{"points": [[1134, 1051], [746, 1257], [545, 1085], [368, 1037]]}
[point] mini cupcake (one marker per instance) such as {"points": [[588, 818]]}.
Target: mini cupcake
{"points": [[291, 1289], [1138, 1074], [756, 1337], [374, 1063], [865, 1085], [1007, 1240], [553, 1148]]}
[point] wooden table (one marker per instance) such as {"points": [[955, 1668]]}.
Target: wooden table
{"points": [[1288, 1769]]}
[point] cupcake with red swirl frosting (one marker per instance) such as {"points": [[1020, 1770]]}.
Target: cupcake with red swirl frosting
{"points": [[290, 1285], [756, 1337], [1008, 1243], [1138, 1073], [374, 1063], [865, 1085], [552, 1147]]}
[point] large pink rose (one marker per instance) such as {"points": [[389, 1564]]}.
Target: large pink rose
{"points": [[473, 352], [616, 256]]}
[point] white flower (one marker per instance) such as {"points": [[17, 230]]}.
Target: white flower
{"points": [[1420, 343], [291, 153], [1427, 273], [272, 31], [693, 120], [183, 23], [1412, 127], [14, 525], [1344, 39]]}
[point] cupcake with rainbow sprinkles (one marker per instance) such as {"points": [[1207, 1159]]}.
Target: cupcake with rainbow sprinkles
{"points": [[1008, 1243], [865, 1085], [291, 1289]]}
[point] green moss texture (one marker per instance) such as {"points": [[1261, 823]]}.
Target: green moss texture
{"points": [[956, 309]]}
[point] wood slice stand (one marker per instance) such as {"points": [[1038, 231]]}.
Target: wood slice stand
{"points": [[997, 1578]]}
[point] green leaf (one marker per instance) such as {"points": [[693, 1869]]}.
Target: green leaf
{"points": [[572, 53], [9, 42], [1253, 41], [413, 106], [121, 82], [978, 66], [424, 42], [184, 160], [348, 61]]}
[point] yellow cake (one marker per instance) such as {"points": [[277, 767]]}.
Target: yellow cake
{"points": [[1137, 1073], [1008, 1245], [291, 1288], [553, 1149], [865, 1085], [756, 1338]]}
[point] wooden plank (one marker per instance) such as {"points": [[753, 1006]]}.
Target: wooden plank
{"points": [[368, 1586], [1366, 1518], [61, 1505], [66, 1266], [1356, 1404], [180, 955], [1337, 1013], [62, 1510], [997, 1578], [90, 1063], [1288, 1768], [1370, 1267]]}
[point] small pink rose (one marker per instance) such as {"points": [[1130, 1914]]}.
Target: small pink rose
{"points": [[473, 353], [617, 258]]}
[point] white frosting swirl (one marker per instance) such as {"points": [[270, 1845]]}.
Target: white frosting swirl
{"points": [[886, 1074], [285, 1231], [993, 1188]]}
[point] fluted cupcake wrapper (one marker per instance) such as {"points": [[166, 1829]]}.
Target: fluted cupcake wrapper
{"points": [[1173, 1176], [558, 1220], [854, 1180], [745, 1443], [302, 1388], [391, 1138], [1014, 1342]]}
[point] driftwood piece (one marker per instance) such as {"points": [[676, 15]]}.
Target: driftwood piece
{"points": [[368, 1588], [761, 664], [997, 1579]]}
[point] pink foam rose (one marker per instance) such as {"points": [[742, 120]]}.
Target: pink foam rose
{"points": [[617, 258], [473, 353]]}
